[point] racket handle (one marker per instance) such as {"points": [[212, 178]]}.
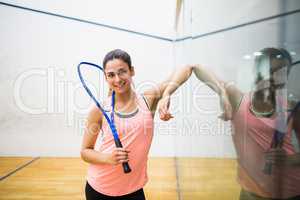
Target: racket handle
{"points": [[268, 168], [125, 165]]}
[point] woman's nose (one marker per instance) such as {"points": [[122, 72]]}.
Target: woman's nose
{"points": [[117, 78]]}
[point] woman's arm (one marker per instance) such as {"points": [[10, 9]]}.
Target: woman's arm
{"points": [[210, 80], [230, 95], [205, 76], [177, 78], [88, 154]]}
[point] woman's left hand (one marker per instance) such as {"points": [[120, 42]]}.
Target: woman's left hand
{"points": [[163, 108]]}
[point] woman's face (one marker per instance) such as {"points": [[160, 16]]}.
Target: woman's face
{"points": [[271, 80], [118, 75], [271, 76]]}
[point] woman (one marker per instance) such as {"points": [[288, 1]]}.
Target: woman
{"points": [[134, 121]]}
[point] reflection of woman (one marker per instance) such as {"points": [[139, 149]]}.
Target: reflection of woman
{"points": [[134, 122], [256, 117]]}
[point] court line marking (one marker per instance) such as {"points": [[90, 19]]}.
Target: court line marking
{"points": [[155, 36], [18, 168], [87, 22], [179, 197], [247, 24]]}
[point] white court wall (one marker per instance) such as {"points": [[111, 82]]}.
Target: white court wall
{"points": [[151, 17], [43, 106]]}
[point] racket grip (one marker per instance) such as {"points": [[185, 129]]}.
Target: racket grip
{"points": [[268, 168], [125, 165]]}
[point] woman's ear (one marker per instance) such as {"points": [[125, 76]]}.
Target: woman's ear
{"points": [[132, 72]]}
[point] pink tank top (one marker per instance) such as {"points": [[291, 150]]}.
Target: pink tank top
{"points": [[252, 137], [135, 132]]}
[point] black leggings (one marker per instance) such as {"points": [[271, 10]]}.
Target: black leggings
{"points": [[91, 194]]}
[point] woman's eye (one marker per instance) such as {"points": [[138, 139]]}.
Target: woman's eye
{"points": [[122, 72], [110, 75]]}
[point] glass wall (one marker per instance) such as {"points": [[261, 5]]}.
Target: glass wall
{"points": [[255, 50]]}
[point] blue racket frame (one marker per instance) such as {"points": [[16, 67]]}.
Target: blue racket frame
{"points": [[125, 165]]}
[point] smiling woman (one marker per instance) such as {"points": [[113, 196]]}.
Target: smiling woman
{"points": [[45, 112], [135, 127]]}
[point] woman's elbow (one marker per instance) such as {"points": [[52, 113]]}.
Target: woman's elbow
{"points": [[188, 69], [196, 67], [83, 154]]}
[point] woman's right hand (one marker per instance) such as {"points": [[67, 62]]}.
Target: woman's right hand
{"points": [[118, 155]]}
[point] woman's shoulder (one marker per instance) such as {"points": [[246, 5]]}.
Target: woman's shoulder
{"points": [[94, 113]]}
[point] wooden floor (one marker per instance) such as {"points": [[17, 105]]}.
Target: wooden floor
{"points": [[170, 179]]}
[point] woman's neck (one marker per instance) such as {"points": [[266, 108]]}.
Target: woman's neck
{"points": [[262, 105], [125, 96], [125, 102]]}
